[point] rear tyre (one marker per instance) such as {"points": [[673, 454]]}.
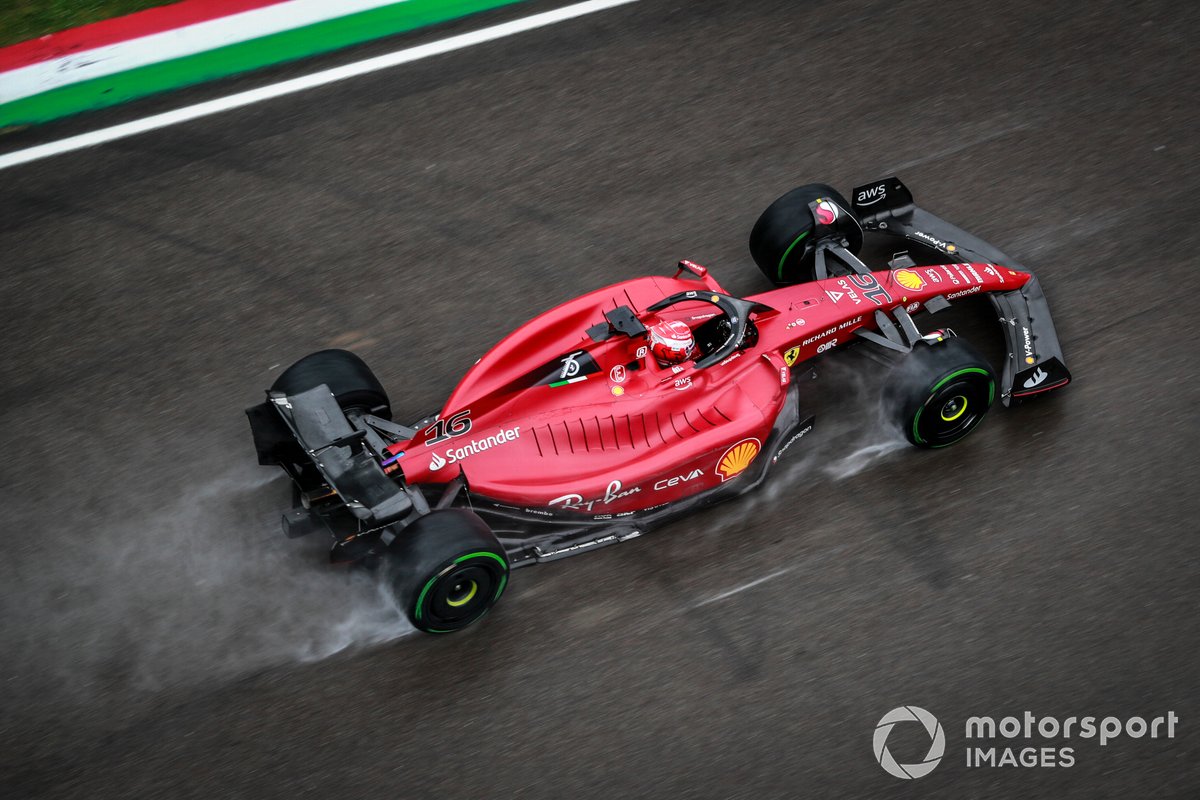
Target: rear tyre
{"points": [[347, 376], [941, 392], [781, 241], [447, 570]]}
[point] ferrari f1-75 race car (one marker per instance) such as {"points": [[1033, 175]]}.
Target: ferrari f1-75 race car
{"points": [[584, 427]]}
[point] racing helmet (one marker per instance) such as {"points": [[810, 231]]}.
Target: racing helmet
{"points": [[671, 341]]}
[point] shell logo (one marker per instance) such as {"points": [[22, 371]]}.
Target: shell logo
{"points": [[909, 279], [737, 458]]}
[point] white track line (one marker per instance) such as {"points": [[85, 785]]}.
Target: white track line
{"points": [[730, 593], [307, 82], [956, 149]]}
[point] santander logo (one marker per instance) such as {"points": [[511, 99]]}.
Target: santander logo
{"points": [[455, 454]]}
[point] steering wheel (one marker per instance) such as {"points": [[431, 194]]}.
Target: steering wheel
{"points": [[737, 310]]}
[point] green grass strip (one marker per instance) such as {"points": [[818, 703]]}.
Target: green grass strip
{"points": [[321, 37], [21, 20]]}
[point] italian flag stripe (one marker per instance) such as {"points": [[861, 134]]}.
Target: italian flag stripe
{"points": [[269, 33], [121, 29]]}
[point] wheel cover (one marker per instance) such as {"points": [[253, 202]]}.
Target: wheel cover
{"points": [[955, 405], [954, 408], [461, 592]]}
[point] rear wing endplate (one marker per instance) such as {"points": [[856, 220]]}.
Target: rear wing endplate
{"points": [[337, 450]]}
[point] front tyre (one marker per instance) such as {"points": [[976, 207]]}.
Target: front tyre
{"points": [[941, 392], [781, 241], [447, 570]]}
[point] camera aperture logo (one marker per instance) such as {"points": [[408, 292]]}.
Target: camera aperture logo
{"points": [[937, 742]]}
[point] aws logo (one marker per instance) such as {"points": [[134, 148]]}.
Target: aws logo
{"points": [[871, 195]]}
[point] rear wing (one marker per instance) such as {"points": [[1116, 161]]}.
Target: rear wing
{"points": [[1035, 361], [314, 421]]}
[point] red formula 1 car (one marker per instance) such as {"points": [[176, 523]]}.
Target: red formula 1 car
{"points": [[573, 432]]}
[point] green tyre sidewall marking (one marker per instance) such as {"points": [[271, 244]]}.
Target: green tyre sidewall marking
{"points": [[503, 575], [788, 252], [934, 390], [420, 604]]}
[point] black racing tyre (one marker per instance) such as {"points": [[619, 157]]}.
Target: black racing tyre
{"points": [[446, 570], [347, 376], [941, 392], [780, 241]]}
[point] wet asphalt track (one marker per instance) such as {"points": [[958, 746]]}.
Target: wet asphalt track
{"points": [[160, 641]]}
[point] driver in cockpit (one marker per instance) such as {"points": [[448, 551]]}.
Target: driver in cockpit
{"points": [[671, 342]]}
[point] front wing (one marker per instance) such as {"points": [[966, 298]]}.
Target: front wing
{"points": [[1035, 360]]}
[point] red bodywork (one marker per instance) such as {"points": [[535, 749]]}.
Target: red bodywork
{"points": [[635, 435]]}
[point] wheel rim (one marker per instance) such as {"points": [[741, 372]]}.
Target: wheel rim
{"points": [[461, 592], [955, 406]]}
